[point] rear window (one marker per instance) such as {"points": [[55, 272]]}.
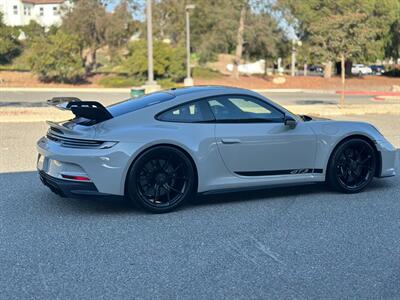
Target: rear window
{"points": [[134, 104]]}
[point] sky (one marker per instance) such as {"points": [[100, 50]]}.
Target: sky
{"points": [[112, 5]]}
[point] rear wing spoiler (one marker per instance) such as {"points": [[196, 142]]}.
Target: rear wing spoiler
{"points": [[91, 110]]}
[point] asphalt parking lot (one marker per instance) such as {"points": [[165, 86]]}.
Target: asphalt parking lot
{"points": [[299, 242]]}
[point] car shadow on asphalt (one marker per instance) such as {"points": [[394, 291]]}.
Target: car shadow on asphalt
{"points": [[26, 186], [257, 194], [279, 193]]}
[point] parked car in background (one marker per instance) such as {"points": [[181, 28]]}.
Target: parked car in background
{"points": [[317, 69], [360, 69], [377, 69]]}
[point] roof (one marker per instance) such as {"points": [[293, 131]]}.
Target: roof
{"points": [[43, 1]]}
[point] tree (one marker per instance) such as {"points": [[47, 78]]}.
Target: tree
{"points": [[214, 27], [240, 39], [57, 58], [9, 44], [342, 37], [169, 62], [120, 27], [88, 20], [33, 30], [306, 15], [265, 39]]}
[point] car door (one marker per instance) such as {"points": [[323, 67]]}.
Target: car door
{"points": [[253, 140]]}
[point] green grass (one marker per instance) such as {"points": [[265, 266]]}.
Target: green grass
{"points": [[20, 63], [119, 81], [205, 73], [168, 84], [116, 81]]}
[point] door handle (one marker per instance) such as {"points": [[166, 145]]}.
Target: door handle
{"points": [[230, 141]]}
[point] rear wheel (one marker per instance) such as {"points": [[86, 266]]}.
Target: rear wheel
{"points": [[352, 166], [162, 179]]}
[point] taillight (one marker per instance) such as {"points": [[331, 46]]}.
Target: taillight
{"points": [[78, 178]]}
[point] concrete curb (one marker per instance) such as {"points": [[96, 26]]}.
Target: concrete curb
{"points": [[305, 91], [387, 99], [370, 93]]}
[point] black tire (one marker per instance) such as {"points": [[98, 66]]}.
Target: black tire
{"points": [[161, 180], [352, 166]]}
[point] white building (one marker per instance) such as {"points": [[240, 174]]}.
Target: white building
{"points": [[44, 12]]}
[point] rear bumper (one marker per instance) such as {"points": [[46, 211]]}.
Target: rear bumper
{"points": [[67, 188], [73, 189], [106, 168]]}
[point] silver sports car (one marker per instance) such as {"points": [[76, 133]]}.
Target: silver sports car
{"points": [[161, 149]]}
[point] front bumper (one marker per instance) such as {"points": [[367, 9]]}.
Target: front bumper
{"points": [[388, 155]]}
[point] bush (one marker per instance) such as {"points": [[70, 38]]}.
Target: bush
{"points": [[32, 30], [57, 58], [169, 62], [120, 82], [393, 72], [9, 44]]}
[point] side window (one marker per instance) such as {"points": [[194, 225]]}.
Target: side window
{"points": [[242, 109], [194, 112]]}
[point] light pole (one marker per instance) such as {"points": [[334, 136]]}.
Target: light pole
{"points": [[294, 52], [151, 84], [188, 80]]}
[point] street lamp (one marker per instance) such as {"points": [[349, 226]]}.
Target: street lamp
{"points": [[295, 44], [151, 84], [188, 80]]}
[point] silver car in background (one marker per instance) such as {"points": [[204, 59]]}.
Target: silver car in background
{"points": [[159, 150]]}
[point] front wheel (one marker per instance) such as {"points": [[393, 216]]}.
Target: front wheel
{"points": [[162, 179], [352, 166]]}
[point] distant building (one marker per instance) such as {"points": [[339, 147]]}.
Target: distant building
{"points": [[21, 12]]}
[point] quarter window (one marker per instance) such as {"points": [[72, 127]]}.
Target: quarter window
{"points": [[242, 109], [194, 112]]}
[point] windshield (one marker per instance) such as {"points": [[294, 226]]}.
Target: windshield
{"points": [[134, 104]]}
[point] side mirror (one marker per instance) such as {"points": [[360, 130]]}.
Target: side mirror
{"points": [[290, 122]]}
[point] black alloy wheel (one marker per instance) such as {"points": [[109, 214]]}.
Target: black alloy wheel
{"points": [[161, 179], [352, 166]]}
